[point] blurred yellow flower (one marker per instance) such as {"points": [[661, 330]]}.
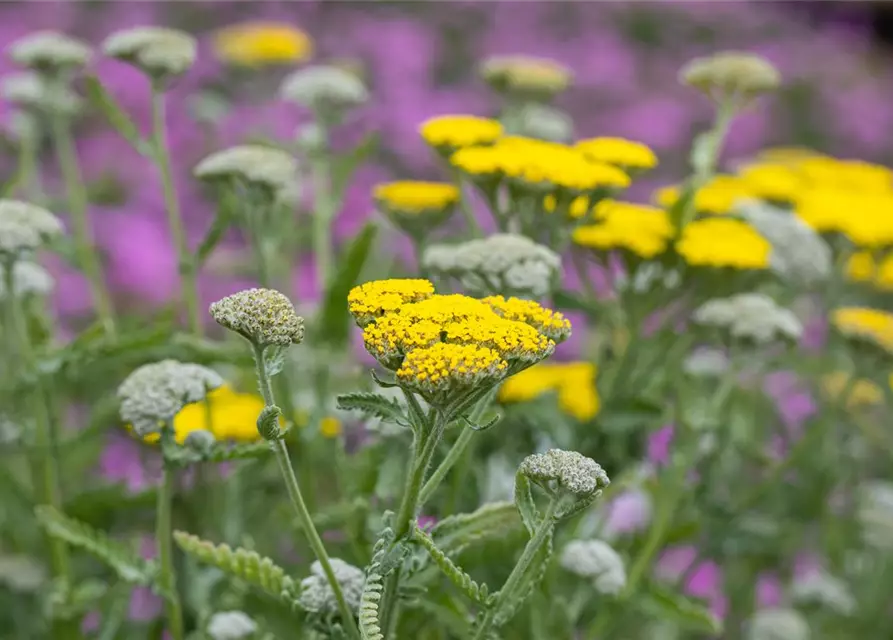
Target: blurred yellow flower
{"points": [[643, 230], [573, 382], [452, 132], [579, 206], [770, 181], [861, 392], [787, 155], [330, 427], [863, 267], [869, 324], [863, 217], [854, 175], [723, 242], [416, 197], [716, 197], [620, 152], [262, 43]]}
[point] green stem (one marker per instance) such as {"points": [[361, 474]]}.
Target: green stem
{"points": [[516, 578], [297, 500], [322, 215], [188, 274], [167, 577], [76, 192], [46, 471]]}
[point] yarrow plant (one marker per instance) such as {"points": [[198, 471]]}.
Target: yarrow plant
{"points": [[428, 447]]}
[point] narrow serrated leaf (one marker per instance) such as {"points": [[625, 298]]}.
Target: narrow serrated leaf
{"points": [[665, 603], [372, 405], [524, 502], [247, 451], [117, 117], [494, 520]]}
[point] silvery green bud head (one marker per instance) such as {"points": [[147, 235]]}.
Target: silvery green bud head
{"points": [[50, 52], [316, 592], [821, 588], [200, 440], [706, 363], [875, 513], [28, 279], [777, 624], [572, 471], [597, 560], [501, 264], [799, 254], [154, 393], [158, 52], [260, 166], [262, 316], [545, 122], [24, 228], [731, 75], [231, 625], [751, 316], [32, 92], [22, 574], [324, 87]]}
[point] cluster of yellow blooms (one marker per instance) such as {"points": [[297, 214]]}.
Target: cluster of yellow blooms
{"points": [[643, 230], [865, 323], [723, 242], [262, 43], [228, 414], [620, 152], [859, 393], [446, 344], [864, 267], [448, 133], [573, 382], [416, 206]]}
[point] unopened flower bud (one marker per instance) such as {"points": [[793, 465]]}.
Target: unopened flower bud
{"points": [[259, 166], [200, 440], [571, 470], [526, 77], [24, 227], [154, 393], [32, 92], [595, 559], [545, 122], [262, 316], [731, 75], [50, 52], [324, 88], [158, 52], [231, 625], [752, 316], [28, 279], [268, 422]]}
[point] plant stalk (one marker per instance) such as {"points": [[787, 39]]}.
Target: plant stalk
{"points": [[167, 576]]}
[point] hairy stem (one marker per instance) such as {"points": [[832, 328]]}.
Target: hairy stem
{"points": [[167, 577]]}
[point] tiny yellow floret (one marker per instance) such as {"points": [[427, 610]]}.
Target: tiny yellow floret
{"points": [[255, 44]]}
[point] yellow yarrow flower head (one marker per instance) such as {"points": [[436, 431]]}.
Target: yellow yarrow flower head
{"points": [[863, 323], [525, 77], [578, 209], [330, 427], [776, 183], [443, 371], [853, 175], [451, 132], [731, 75], [645, 231], [859, 393], [723, 242], [416, 207], [863, 267], [227, 414], [372, 300], [256, 44], [548, 322], [865, 218], [717, 197], [573, 382], [628, 155]]}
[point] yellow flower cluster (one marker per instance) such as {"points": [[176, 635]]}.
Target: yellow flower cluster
{"points": [[579, 206], [620, 152], [262, 43], [574, 383], [448, 133], [865, 218], [416, 197], [862, 393], [723, 242], [643, 230], [379, 297], [863, 267], [869, 324], [438, 343], [717, 197]]}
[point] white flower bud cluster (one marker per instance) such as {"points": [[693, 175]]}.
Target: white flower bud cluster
{"points": [[316, 592], [799, 255], [263, 316], [731, 74], [31, 91], [752, 316], [156, 51], [502, 264], [545, 122], [647, 277], [28, 279], [154, 393], [597, 560], [706, 363], [573, 471], [231, 625], [200, 440], [21, 574], [324, 87], [257, 165], [24, 228], [875, 513], [50, 51], [777, 624], [821, 588]]}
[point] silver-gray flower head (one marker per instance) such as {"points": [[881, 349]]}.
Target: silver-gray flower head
{"points": [[32, 92], [22, 574], [231, 625], [706, 362], [200, 440], [595, 559], [750, 315], [799, 254], [257, 165], [154, 393], [158, 52], [22, 127], [777, 624], [324, 87], [25, 227], [501, 264], [50, 51], [821, 588], [263, 316], [28, 279], [573, 471], [875, 513], [731, 74], [545, 122], [316, 592]]}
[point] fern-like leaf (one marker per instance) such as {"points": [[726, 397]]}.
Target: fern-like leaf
{"points": [[480, 593], [249, 566], [126, 563], [493, 520], [532, 578], [220, 453], [372, 405], [370, 626]]}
